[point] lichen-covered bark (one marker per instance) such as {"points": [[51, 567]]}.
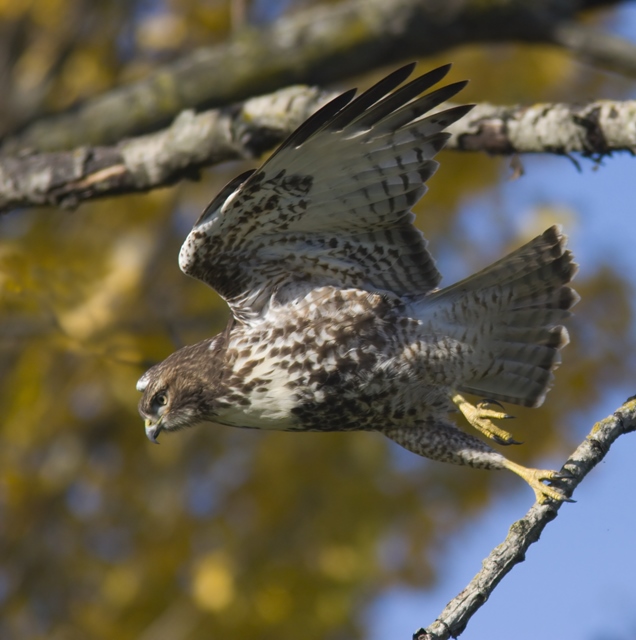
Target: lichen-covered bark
{"points": [[453, 620], [319, 45], [247, 130], [66, 178], [593, 130]]}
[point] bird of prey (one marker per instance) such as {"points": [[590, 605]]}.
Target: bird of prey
{"points": [[338, 323]]}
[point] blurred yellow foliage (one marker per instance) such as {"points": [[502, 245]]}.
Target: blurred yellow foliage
{"points": [[120, 585], [162, 31], [339, 562], [10, 10], [218, 533], [273, 603], [213, 582]]}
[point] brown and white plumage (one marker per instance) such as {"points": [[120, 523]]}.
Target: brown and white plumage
{"points": [[337, 322], [332, 205]]}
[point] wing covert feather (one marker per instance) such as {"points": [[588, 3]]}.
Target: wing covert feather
{"points": [[332, 206]]}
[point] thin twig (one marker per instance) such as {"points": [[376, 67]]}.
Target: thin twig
{"points": [[596, 47], [458, 612]]}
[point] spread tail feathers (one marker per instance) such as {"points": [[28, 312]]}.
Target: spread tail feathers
{"points": [[511, 315]]}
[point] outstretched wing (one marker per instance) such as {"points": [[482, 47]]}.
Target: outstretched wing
{"points": [[332, 205]]}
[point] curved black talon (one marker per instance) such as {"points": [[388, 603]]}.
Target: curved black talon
{"points": [[499, 440], [486, 402], [562, 475]]}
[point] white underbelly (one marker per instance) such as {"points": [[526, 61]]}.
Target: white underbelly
{"points": [[270, 409]]}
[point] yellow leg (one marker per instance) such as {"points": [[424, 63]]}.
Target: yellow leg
{"points": [[535, 478], [481, 418]]}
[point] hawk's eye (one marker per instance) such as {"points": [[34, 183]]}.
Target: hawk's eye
{"points": [[160, 399]]}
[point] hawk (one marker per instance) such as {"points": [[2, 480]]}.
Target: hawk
{"points": [[338, 323]]}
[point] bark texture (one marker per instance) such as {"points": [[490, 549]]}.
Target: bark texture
{"points": [[245, 131], [323, 44], [458, 612]]}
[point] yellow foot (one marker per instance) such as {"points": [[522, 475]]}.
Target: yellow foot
{"points": [[481, 418], [536, 477]]}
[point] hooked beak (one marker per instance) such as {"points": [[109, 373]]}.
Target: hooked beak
{"points": [[153, 429]]}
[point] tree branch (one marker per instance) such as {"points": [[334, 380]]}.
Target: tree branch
{"points": [[246, 131], [453, 620], [66, 178], [594, 46], [594, 130], [319, 45]]}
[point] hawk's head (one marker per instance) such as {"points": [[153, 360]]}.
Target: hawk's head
{"points": [[179, 392]]}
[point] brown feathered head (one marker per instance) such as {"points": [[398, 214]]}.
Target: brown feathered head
{"points": [[179, 392]]}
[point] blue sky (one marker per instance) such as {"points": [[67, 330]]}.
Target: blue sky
{"points": [[578, 580]]}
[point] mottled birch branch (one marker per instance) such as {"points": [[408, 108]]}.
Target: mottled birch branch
{"points": [[319, 45], [596, 47], [67, 178], [246, 131], [593, 130], [458, 612]]}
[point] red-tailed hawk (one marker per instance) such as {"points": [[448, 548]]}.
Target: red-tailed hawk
{"points": [[338, 324]]}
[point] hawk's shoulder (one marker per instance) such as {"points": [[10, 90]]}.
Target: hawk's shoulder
{"points": [[332, 206]]}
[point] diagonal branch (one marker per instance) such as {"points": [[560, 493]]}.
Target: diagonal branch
{"points": [[322, 44], [596, 47], [458, 612], [246, 131]]}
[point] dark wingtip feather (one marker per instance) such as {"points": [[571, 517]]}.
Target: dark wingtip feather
{"points": [[402, 96], [318, 120], [447, 92], [399, 75], [433, 76], [372, 95], [449, 116], [375, 103]]}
